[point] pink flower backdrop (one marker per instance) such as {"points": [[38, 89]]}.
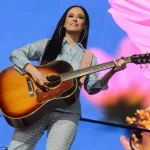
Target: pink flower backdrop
{"points": [[133, 16], [128, 89]]}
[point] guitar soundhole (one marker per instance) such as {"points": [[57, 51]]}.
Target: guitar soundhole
{"points": [[53, 80]]}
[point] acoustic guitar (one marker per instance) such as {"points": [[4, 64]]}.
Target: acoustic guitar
{"points": [[23, 102]]}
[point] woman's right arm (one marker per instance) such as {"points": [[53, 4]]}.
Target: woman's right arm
{"points": [[21, 58]]}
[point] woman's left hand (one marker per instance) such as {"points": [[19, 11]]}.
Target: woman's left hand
{"points": [[120, 65]]}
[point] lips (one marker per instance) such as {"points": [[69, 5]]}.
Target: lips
{"points": [[74, 25]]}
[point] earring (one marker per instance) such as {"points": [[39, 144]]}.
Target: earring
{"points": [[83, 35], [60, 30]]}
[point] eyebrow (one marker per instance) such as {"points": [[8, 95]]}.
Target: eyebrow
{"points": [[73, 14]]}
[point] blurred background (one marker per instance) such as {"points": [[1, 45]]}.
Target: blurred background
{"points": [[118, 28]]}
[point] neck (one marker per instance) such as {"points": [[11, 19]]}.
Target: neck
{"points": [[72, 38]]}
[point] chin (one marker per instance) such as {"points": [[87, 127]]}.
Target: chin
{"points": [[74, 31]]}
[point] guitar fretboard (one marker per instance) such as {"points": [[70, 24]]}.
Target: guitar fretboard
{"points": [[89, 70]]}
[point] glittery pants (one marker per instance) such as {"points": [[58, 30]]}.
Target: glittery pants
{"points": [[61, 130]]}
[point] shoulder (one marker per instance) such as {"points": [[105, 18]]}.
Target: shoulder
{"points": [[43, 41], [88, 52], [39, 43], [91, 54]]}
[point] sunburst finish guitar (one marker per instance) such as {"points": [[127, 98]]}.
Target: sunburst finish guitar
{"points": [[23, 103]]}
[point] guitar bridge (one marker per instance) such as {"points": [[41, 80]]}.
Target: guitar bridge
{"points": [[30, 87]]}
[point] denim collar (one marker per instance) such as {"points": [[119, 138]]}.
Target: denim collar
{"points": [[66, 42]]}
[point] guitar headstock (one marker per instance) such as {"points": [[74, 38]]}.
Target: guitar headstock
{"points": [[140, 58]]}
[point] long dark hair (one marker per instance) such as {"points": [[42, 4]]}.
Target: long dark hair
{"points": [[54, 45]]}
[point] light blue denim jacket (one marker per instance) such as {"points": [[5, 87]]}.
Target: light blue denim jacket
{"points": [[34, 51]]}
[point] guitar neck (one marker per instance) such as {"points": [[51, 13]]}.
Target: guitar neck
{"points": [[90, 70]]}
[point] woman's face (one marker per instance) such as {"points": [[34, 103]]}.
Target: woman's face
{"points": [[75, 20]]}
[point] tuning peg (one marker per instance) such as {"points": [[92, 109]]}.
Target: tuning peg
{"points": [[147, 53], [146, 65], [141, 66]]}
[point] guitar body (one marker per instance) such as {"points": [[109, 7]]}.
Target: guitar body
{"points": [[23, 103]]}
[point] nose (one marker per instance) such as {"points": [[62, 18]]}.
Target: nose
{"points": [[74, 18]]}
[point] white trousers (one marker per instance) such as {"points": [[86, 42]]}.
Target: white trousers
{"points": [[61, 130]]}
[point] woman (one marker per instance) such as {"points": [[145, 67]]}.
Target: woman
{"points": [[67, 43]]}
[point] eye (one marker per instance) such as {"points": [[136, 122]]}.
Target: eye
{"points": [[81, 17], [70, 16]]}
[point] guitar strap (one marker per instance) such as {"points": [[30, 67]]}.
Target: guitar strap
{"points": [[86, 62]]}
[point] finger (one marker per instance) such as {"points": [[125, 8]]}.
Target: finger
{"points": [[125, 143], [43, 85], [44, 81], [121, 62], [115, 62], [123, 66], [136, 146]]}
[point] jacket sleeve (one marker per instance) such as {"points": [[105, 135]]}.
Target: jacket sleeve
{"points": [[22, 56], [92, 82]]}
